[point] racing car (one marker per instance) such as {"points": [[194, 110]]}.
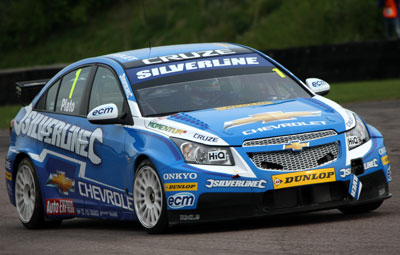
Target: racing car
{"points": [[188, 133]]}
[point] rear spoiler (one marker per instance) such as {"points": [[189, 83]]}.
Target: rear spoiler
{"points": [[27, 90]]}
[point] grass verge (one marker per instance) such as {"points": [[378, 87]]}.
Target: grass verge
{"points": [[340, 92], [349, 92], [7, 113]]}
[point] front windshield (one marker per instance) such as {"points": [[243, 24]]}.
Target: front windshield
{"points": [[215, 88]]}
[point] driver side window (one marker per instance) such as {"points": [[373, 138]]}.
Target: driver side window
{"points": [[105, 90]]}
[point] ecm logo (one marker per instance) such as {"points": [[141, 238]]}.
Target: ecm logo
{"points": [[103, 111], [216, 156], [180, 200]]}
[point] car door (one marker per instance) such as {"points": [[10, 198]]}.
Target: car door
{"points": [[105, 182], [85, 162], [60, 126]]}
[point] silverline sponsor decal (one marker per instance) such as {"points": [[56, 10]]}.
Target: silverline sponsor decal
{"points": [[236, 184], [370, 164], [60, 134], [107, 196], [284, 125], [201, 64], [189, 55]]}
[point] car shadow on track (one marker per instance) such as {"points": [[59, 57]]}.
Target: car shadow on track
{"points": [[269, 222], [272, 222]]}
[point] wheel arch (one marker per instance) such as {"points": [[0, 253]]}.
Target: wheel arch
{"points": [[20, 156]]}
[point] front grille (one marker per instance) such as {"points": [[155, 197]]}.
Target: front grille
{"points": [[289, 160], [289, 138]]}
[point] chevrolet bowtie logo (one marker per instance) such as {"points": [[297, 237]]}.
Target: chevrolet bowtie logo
{"points": [[295, 146], [269, 117], [59, 180]]}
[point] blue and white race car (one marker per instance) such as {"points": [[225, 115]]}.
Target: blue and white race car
{"points": [[188, 133]]}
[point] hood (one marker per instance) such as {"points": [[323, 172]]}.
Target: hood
{"points": [[236, 124]]}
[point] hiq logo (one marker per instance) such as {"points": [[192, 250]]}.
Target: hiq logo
{"points": [[181, 200], [216, 155], [104, 110]]}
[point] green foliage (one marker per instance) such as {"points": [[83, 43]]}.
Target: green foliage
{"points": [[44, 32], [7, 113], [348, 92], [25, 22]]}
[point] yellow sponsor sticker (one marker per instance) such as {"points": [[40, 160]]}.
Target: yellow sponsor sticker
{"points": [[281, 181], [241, 105], [8, 176], [385, 160], [192, 186]]}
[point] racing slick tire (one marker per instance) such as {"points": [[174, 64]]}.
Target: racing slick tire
{"points": [[361, 208], [149, 199], [28, 199]]}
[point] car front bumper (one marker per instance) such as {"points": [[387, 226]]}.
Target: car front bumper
{"points": [[229, 206]]}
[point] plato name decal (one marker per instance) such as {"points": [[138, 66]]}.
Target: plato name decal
{"points": [[303, 178], [60, 134], [60, 206], [236, 184], [190, 55], [104, 195]]}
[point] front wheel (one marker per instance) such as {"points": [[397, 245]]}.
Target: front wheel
{"points": [[149, 199]]}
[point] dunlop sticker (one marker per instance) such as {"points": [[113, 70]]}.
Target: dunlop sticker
{"points": [[281, 181], [8, 176], [385, 160], [180, 186]]}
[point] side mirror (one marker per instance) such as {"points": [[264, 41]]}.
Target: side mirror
{"points": [[104, 114], [318, 86]]}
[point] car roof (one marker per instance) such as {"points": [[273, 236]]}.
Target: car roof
{"points": [[127, 58]]}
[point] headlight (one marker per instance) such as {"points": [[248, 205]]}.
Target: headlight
{"points": [[358, 135], [196, 153]]}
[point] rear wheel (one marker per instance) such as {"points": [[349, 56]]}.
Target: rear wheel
{"points": [[149, 199], [27, 196], [361, 208]]}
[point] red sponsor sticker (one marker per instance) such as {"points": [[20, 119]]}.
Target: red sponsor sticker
{"points": [[60, 206]]}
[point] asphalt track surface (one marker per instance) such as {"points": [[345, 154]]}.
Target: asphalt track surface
{"points": [[327, 232]]}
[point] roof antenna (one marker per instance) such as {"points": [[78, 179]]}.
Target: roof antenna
{"points": [[145, 25], [149, 49]]}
